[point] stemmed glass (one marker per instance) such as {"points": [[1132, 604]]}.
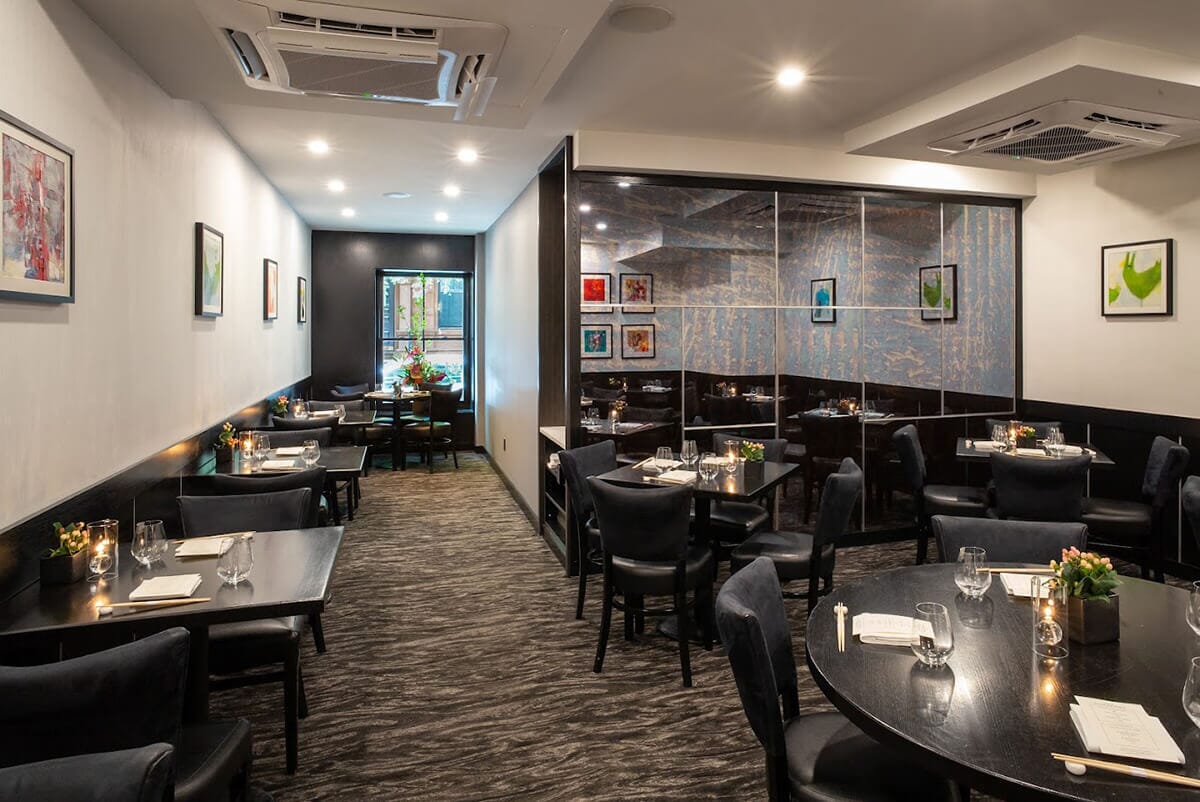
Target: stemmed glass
{"points": [[260, 445], [932, 637], [149, 542], [1191, 692], [689, 454], [708, 466], [971, 574], [1193, 608], [312, 452], [234, 565]]}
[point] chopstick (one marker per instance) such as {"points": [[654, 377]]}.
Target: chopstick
{"points": [[1130, 771], [840, 611], [1017, 570], [149, 604], [212, 537]]}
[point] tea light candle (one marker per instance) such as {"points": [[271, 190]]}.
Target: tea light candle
{"points": [[247, 444]]}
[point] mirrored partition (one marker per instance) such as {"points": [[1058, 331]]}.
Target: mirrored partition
{"points": [[829, 317]]}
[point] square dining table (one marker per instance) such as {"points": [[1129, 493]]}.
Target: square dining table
{"points": [[290, 576], [966, 450], [341, 464]]}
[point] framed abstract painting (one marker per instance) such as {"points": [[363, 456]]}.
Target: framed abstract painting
{"points": [[595, 293], [210, 271], [37, 220], [596, 341], [270, 289], [822, 295], [637, 342], [938, 292], [301, 300], [1136, 278], [637, 290]]}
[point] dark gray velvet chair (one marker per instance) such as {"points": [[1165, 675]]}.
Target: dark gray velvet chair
{"points": [[438, 430], [215, 515], [357, 405], [644, 535], [1007, 541], [1040, 428], [818, 756], [1136, 527], [125, 703], [797, 555], [578, 464], [296, 437], [930, 499], [349, 392], [1190, 496], [1030, 489], [279, 424], [734, 521]]}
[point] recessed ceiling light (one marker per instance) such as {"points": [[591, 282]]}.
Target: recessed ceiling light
{"points": [[467, 155], [397, 195], [790, 77], [623, 184], [585, 207], [336, 185], [451, 191], [347, 212], [441, 217], [601, 226], [640, 18], [318, 147]]}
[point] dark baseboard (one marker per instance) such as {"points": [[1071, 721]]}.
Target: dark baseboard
{"points": [[512, 490]]}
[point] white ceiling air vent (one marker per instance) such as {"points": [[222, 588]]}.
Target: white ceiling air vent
{"points": [[1070, 132], [336, 50]]}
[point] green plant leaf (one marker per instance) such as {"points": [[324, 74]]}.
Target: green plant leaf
{"points": [[932, 292], [1142, 283], [1113, 293]]}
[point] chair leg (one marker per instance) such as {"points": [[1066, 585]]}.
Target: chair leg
{"points": [[681, 617], [291, 693], [314, 621], [302, 700], [704, 614], [639, 619], [454, 451], [583, 575], [778, 786], [628, 619], [429, 451], [605, 624], [922, 543]]}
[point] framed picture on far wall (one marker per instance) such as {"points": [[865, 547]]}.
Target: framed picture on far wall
{"points": [[210, 271], [1136, 278], [37, 216], [637, 342], [938, 292], [596, 341], [301, 300], [637, 290], [595, 293], [270, 289], [822, 294]]}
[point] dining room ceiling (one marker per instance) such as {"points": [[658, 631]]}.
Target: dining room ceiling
{"points": [[709, 73]]}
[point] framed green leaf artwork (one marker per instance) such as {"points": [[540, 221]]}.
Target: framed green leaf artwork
{"points": [[1136, 278], [938, 292]]}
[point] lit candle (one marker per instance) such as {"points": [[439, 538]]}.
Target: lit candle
{"points": [[247, 444]]}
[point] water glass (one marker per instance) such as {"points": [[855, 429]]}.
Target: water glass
{"points": [[663, 457], [260, 445], [932, 637], [1191, 692], [340, 409], [708, 466], [1054, 441], [971, 575], [234, 565], [593, 415], [312, 452], [1193, 608], [149, 542], [1000, 435], [689, 454]]}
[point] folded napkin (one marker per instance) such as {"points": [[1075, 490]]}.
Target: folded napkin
{"points": [[289, 451], [986, 444], [1072, 451], [204, 547], [281, 465], [322, 413], [1030, 452], [886, 630], [1121, 729], [674, 477], [1019, 585], [659, 464], [179, 586]]}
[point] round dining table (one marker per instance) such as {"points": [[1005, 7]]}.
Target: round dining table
{"points": [[993, 715]]}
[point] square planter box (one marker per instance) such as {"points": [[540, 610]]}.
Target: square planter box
{"points": [[63, 570], [1094, 620]]}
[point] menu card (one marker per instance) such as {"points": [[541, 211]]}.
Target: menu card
{"points": [[289, 451], [1121, 729], [281, 465], [179, 586], [204, 547], [674, 477], [1019, 585], [884, 629]]}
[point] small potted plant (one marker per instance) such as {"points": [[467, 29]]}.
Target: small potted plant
{"points": [[1094, 613], [1026, 437], [225, 445], [752, 452], [279, 405], [67, 562]]}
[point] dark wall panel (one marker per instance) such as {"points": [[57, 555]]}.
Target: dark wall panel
{"points": [[343, 294]]}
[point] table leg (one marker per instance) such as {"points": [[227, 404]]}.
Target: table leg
{"points": [[195, 693], [669, 627], [335, 508]]}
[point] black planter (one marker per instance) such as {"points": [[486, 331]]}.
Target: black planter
{"points": [[1094, 620], [1027, 442], [224, 457], [63, 570]]}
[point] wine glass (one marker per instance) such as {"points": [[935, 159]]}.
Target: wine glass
{"points": [[708, 466], [971, 574], [1191, 692], [312, 452], [149, 542], [234, 565], [932, 637], [260, 445], [689, 454], [1054, 441], [1193, 609], [1000, 435]]}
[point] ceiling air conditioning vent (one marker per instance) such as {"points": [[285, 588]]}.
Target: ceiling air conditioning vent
{"points": [[1007, 133], [1055, 145], [1097, 117]]}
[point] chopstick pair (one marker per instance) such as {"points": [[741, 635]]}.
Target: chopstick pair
{"points": [[148, 604], [1129, 771], [1017, 570], [839, 610], [212, 537]]}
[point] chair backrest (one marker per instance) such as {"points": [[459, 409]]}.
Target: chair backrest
{"points": [[120, 698], [758, 641], [650, 414], [357, 405], [351, 389], [580, 463], [1041, 428], [912, 458], [1033, 489], [1191, 503], [1166, 464], [649, 523], [341, 397], [214, 515], [773, 448], [443, 405], [222, 484], [727, 409], [430, 386], [1007, 541], [298, 424], [828, 438], [837, 502], [296, 437]]}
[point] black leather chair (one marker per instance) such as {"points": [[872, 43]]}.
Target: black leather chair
{"points": [[237, 648], [734, 521], [797, 555], [930, 500], [296, 437], [1040, 428], [644, 536], [819, 756], [438, 430], [827, 440], [1030, 489], [109, 726], [1007, 541], [1136, 527], [578, 464], [349, 392], [1190, 496], [301, 424]]}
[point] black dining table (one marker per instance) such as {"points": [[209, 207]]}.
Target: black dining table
{"points": [[970, 453], [993, 715], [290, 576], [353, 419]]}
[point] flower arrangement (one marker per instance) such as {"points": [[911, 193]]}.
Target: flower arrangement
{"points": [[72, 538], [1086, 575], [279, 405], [1026, 432], [417, 369], [752, 452], [227, 438]]}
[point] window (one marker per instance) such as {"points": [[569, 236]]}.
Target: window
{"points": [[447, 336]]}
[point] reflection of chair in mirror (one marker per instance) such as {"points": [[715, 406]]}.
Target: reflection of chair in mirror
{"points": [[724, 410], [826, 440]]}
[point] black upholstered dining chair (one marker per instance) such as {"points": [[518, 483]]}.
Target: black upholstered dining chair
{"points": [[644, 537], [301, 424], [1033, 489], [734, 521], [349, 392], [1040, 428], [437, 431], [109, 725], [296, 437], [814, 756], [930, 499], [237, 648], [1008, 541], [827, 440], [578, 464], [1190, 497], [1135, 528], [797, 555]]}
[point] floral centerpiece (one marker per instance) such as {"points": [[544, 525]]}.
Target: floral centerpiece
{"points": [[66, 562], [225, 444], [279, 405], [1026, 437], [417, 369], [1094, 610], [752, 452]]}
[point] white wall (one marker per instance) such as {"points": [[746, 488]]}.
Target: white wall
{"points": [[510, 330], [93, 387], [1072, 354]]}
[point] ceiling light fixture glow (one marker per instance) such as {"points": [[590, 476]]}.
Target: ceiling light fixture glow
{"points": [[601, 226], [347, 212], [790, 77], [336, 185], [441, 217], [467, 155], [585, 207], [451, 191], [397, 195], [623, 184], [318, 147]]}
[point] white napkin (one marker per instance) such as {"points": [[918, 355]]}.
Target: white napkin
{"points": [[1019, 585], [987, 444], [204, 547], [179, 586], [281, 465], [662, 464], [1072, 451], [674, 477], [1030, 452], [322, 413], [1123, 730], [887, 630], [289, 451]]}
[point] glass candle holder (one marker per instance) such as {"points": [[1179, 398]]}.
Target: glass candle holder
{"points": [[246, 445], [1050, 618], [299, 409], [731, 458], [102, 549]]}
